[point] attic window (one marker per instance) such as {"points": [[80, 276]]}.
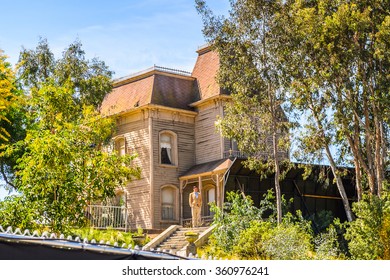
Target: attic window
{"points": [[168, 150]]}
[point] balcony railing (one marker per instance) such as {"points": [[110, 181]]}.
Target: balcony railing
{"points": [[241, 155], [234, 154], [103, 217]]}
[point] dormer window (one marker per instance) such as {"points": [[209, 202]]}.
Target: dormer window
{"points": [[168, 150]]}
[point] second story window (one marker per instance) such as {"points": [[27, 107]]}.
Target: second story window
{"points": [[120, 146], [168, 148]]}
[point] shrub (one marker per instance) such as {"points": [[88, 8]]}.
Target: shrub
{"points": [[18, 212], [327, 246], [290, 240], [236, 216], [369, 235], [267, 240], [250, 244], [110, 235]]}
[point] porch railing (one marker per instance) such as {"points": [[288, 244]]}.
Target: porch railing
{"points": [[241, 155], [205, 221], [233, 153], [103, 217]]}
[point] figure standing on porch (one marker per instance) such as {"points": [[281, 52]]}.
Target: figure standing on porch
{"points": [[195, 201]]}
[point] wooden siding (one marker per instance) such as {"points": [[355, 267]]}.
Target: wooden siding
{"points": [[169, 175], [207, 139], [135, 131]]}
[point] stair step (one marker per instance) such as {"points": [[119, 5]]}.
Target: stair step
{"points": [[176, 240]]}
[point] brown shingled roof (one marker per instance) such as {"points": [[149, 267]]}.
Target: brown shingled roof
{"points": [[166, 87], [173, 91], [150, 87], [208, 167], [205, 71], [128, 96]]}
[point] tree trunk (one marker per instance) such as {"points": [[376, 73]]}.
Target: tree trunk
{"points": [[340, 185], [278, 191], [274, 120], [333, 166], [358, 179]]}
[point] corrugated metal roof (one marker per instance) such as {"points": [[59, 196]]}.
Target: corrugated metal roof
{"points": [[15, 244]]}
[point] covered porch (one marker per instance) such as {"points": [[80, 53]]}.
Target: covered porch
{"points": [[211, 178]]}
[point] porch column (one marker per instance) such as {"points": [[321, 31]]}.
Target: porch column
{"points": [[201, 193], [181, 202], [218, 192]]}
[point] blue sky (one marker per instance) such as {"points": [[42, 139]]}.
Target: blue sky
{"points": [[128, 35]]}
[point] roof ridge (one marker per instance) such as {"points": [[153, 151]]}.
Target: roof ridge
{"points": [[154, 68]]}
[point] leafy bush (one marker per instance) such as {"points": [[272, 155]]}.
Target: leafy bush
{"points": [[110, 235], [242, 230], [321, 220], [327, 246], [369, 235], [267, 240], [235, 217], [250, 244], [290, 240], [18, 212]]}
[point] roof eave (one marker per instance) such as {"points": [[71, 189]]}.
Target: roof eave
{"points": [[155, 107], [219, 96]]}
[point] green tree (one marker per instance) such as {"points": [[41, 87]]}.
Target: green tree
{"points": [[249, 71], [90, 79], [12, 118], [338, 54], [64, 161], [236, 216], [7, 88], [65, 170], [369, 235]]}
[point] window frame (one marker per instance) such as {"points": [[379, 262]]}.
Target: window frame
{"points": [[118, 148], [205, 193], [174, 149], [174, 206]]}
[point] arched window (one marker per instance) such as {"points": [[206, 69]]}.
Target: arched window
{"points": [[120, 146], [168, 148], [209, 196], [168, 199]]}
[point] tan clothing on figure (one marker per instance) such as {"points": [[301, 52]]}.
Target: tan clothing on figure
{"points": [[196, 205]]}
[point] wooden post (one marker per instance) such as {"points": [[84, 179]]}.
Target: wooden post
{"points": [[217, 198], [151, 178], [181, 202], [201, 193]]}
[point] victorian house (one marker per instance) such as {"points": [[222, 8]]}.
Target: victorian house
{"points": [[168, 118]]}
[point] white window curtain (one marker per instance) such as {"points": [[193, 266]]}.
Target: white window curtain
{"points": [[166, 145], [211, 195], [168, 202]]}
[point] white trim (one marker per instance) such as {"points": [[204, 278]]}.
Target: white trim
{"points": [[175, 205]]}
